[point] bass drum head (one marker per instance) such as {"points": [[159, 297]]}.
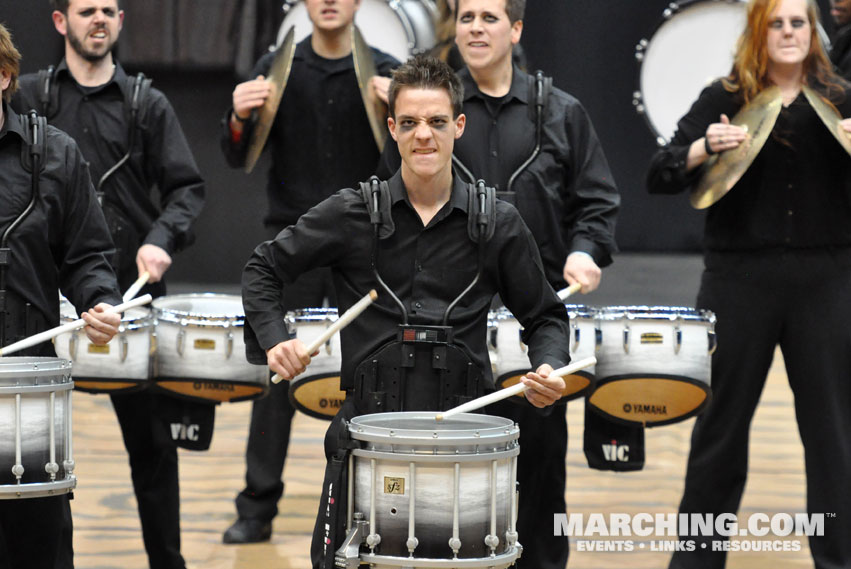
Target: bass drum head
{"points": [[399, 28], [691, 47]]}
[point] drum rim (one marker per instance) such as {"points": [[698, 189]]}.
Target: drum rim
{"points": [[28, 366], [511, 553], [494, 429], [196, 318], [667, 313], [129, 321], [311, 315]]}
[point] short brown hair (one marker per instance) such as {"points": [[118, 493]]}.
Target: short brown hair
{"points": [[10, 61], [426, 72], [62, 5], [515, 9]]}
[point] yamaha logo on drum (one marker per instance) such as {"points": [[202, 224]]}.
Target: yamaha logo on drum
{"points": [[202, 385], [645, 409], [333, 403]]}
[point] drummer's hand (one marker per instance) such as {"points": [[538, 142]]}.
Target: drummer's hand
{"points": [[248, 96], [846, 125], [288, 359], [723, 136], [101, 326], [581, 268], [154, 260], [542, 389], [381, 88]]}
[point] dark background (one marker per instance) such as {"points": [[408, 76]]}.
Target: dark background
{"points": [[587, 46]]}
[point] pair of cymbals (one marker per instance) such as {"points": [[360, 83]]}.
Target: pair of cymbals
{"points": [[278, 75], [722, 171]]}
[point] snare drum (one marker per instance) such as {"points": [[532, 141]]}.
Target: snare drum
{"points": [[653, 366], [36, 458], [200, 350], [401, 28], [692, 46], [317, 392], [424, 493], [512, 361], [121, 365]]}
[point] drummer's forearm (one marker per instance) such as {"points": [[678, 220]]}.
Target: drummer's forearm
{"points": [[696, 154]]}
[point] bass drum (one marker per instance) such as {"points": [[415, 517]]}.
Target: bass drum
{"points": [[401, 28], [692, 46]]}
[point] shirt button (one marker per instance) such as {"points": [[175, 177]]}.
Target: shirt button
{"points": [[330, 101], [493, 122], [789, 213], [790, 186], [418, 305], [86, 129], [419, 267], [493, 153]]}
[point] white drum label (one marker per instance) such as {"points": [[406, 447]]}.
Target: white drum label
{"points": [[651, 338], [205, 344], [394, 485], [95, 349]]}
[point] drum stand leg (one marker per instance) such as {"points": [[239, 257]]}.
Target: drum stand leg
{"points": [[348, 554]]}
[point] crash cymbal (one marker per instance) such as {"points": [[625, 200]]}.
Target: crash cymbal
{"points": [[829, 116], [278, 75], [722, 171], [376, 110]]}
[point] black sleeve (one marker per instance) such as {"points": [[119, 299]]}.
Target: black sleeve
{"points": [[667, 173], [235, 152], [592, 197], [85, 275], [170, 165]]}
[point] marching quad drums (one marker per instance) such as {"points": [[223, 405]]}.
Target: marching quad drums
{"points": [[407, 482], [36, 456]]}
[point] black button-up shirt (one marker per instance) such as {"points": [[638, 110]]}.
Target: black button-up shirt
{"points": [[64, 242], [567, 195], [797, 192], [427, 267], [98, 120], [321, 140]]}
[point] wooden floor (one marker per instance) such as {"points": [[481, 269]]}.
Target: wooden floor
{"points": [[107, 534]]}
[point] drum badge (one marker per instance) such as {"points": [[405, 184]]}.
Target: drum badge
{"points": [[394, 485]]}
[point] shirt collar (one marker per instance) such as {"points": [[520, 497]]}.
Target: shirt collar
{"points": [[457, 199], [519, 87], [304, 51], [12, 123], [119, 76]]}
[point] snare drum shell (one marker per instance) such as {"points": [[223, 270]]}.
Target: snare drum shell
{"points": [[34, 379]]}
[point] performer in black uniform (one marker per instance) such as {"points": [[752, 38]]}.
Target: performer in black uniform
{"points": [[426, 251], [840, 49], [567, 196], [91, 98], [778, 272], [321, 141], [55, 240]]}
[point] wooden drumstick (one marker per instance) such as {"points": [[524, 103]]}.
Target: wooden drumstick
{"points": [[341, 323], [566, 292], [69, 327], [136, 287], [513, 390]]}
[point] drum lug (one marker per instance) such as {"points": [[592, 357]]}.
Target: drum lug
{"points": [[72, 346], [713, 341], [575, 336], [229, 345], [122, 341], [626, 339], [598, 339], [181, 340], [347, 555], [678, 339]]}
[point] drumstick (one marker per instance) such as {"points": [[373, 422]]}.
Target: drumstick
{"points": [[566, 292], [69, 327], [513, 390], [341, 323], [136, 287]]}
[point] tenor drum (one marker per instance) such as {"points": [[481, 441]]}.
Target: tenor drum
{"points": [[692, 46], [121, 365], [200, 350], [424, 493], [401, 28], [654, 363], [317, 392], [512, 361], [36, 458]]}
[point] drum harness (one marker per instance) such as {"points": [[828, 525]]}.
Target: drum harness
{"points": [[11, 304], [136, 91], [417, 352], [540, 87]]}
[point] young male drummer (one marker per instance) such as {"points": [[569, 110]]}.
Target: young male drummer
{"points": [[428, 249], [566, 195], [320, 142], [61, 243]]}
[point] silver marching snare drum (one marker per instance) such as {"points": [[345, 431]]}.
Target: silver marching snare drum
{"points": [[121, 365], [317, 391], [654, 363], [401, 28], [36, 457], [512, 360], [200, 349], [433, 494]]}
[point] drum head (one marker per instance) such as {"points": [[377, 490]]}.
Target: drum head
{"points": [[691, 48], [199, 307]]}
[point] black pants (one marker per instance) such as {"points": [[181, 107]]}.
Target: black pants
{"points": [[800, 301], [153, 468], [271, 418], [36, 532], [542, 476]]}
